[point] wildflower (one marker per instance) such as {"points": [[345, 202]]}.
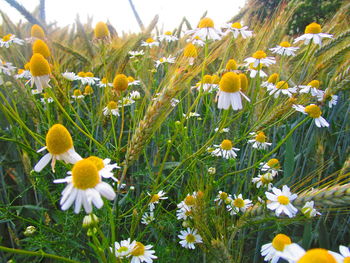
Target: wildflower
{"points": [[345, 254], [134, 54], [259, 141], [150, 42], [255, 70], [163, 60], [271, 81], [189, 237], [36, 32], [174, 102], [7, 40], [69, 76], [40, 70], [30, 230], [88, 90], [135, 95], [183, 213], [314, 112], [104, 83], [168, 37], [191, 114], [237, 29], [40, 47], [132, 81], [7, 68], [90, 220], [223, 197], [281, 201], [46, 98], [147, 218], [155, 199], [308, 209], [271, 251], [230, 92], [191, 53], [272, 165], [141, 253], [85, 187], [238, 204], [231, 65], [313, 88], [260, 57], [282, 87], [23, 74], [111, 108], [225, 149], [313, 33], [87, 78], [264, 180], [77, 95], [244, 82], [206, 84], [104, 167], [101, 30], [196, 41], [295, 253], [125, 102], [120, 82], [59, 144], [332, 99], [188, 203], [222, 130], [211, 170], [124, 248], [205, 30], [284, 48]]}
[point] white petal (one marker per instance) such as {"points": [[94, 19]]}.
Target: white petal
{"points": [[105, 190], [42, 162], [70, 199]]}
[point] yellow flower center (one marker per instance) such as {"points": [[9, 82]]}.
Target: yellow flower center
{"points": [[155, 198], [7, 37], [190, 200], [314, 84], [280, 241], [313, 28], [39, 65], [313, 110], [138, 250], [46, 95], [27, 66], [226, 145], [101, 30], [149, 40], [266, 178], [161, 60], [230, 82], [205, 23], [112, 105], [282, 85], [85, 175], [82, 74], [168, 33], [97, 161], [259, 54], [231, 65], [215, 79], [223, 196], [120, 82], [273, 163], [251, 66], [346, 260], [190, 51], [244, 82], [89, 74], [238, 202], [317, 255], [207, 79], [260, 137], [200, 194], [37, 32], [122, 249], [40, 47], [88, 90], [131, 79], [236, 25], [190, 238], [58, 139], [273, 78], [20, 71], [197, 38], [283, 200], [104, 80], [77, 93], [285, 44]]}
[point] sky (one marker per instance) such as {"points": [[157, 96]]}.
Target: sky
{"points": [[120, 15]]}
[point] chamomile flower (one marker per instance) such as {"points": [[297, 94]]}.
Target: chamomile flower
{"points": [[101, 30], [225, 150], [188, 203], [196, 41], [147, 218], [126, 101], [281, 201], [259, 140], [205, 30], [271, 82], [231, 65], [134, 95], [313, 88], [206, 84], [104, 167], [111, 108], [124, 248], [314, 112], [183, 213], [284, 49], [344, 254], [36, 32], [222, 130], [104, 83], [189, 238], [264, 180], [296, 254], [59, 144], [155, 199], [134, 54], [7, 68], [260, 57], [88, 90], [253, 71], [223, 197], [141, 253], [272, 251], [84, 188], [282, 87], [238, 204], [9, 39], [77, 95], [230, 92], [168, 37], [46, 98], [40, 71], [69, 76], [132, 81], [190, 52], [23, 74], [190, 115], [237, 29], [120, 83], [313, 33], [169, 59], [40, 47], [308, 209], [273, 165], [150, 42], [87, 78], [174, 102], [329, 97]]}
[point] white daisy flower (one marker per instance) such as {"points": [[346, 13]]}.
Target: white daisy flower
{"points": [[225, 150], [259, 141], [141, 253], [77, 95], [223, 197], [133, 82], [155, 199], [344, 254], [174, 102], [284, 49], [330, 97], [196, 41], [238, 204], [134, 54], [313, 33], [163, 60], [260, 57], [313, 88], [271, 82], [264, 180], [46, 99], [7, 68], [190, 52], [237, 29], [104, 83], [222, 130], [271, 165], [205, 30], [314, 112], [40, 71], [282, 87], [208, 84], [272, 251], [188, 203], [69, 76], [9, 39], [183, 213], [59, 144], [150, 42], [309, 211], [191, 114], [23, 74], [125, 102], [253, 71], [104, 167], [84, 188], [168, 37], [134, 95], [87, 78], [124, 248], [189, 238], [111, 108], [281, 201], [147, 218]]}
